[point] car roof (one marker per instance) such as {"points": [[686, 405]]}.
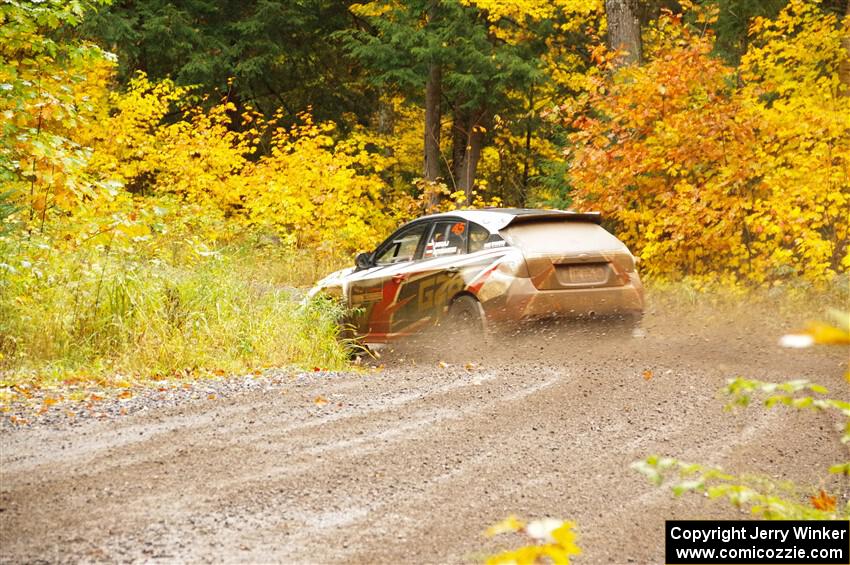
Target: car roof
{"points": [[495, 219]]}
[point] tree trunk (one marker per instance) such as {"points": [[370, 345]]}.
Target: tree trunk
{"points": [[433, 118], [526, 159], [470, 161], [384, 122], [472, 154], [624, 31], [433, 115], [460, 138], [844, 66]]}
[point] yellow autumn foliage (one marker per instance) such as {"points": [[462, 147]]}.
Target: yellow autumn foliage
{"points": [[519, 10], [551, 540], [48, 90], [319, 193], [310, 187]]}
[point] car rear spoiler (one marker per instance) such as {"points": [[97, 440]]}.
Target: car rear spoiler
{"points": [[567, 216]]}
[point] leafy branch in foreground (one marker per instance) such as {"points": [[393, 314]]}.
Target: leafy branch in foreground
{"points": [[550, 538], [767, 498], [741, 390]]}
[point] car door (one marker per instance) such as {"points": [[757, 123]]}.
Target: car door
{"points": [[374, 292], [435, 278]]}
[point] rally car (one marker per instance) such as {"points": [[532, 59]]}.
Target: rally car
{"points": [[487, 268]]}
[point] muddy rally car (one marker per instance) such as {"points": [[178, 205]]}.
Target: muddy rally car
{"points": [[481, 269]]}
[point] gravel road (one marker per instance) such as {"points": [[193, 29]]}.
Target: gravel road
{"points": [[410, 462]]}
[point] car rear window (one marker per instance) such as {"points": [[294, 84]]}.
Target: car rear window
{"points": [[560, 236]]}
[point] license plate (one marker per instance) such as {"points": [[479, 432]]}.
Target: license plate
{"points": [[584, 274]]}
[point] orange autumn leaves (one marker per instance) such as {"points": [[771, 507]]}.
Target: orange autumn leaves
{"points": [[822, 501], [718, 173]]}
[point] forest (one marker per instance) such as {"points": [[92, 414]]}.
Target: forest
{"points": [[172, 172]]}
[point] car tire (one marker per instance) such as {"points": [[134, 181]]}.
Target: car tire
{"points": [[466, 316]]}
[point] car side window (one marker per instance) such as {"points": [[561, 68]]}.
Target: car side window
{"points": [[448, 237], [402, 247], [478, 236]]}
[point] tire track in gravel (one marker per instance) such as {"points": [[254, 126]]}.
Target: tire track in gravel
{"points": [[156, 445], [480, 472], [713, 446], [411, 464]]}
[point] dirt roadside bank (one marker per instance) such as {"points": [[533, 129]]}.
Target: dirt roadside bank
{"points": [[413, 462]]}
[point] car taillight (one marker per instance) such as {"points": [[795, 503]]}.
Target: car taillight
{"points": [[625, 263]]}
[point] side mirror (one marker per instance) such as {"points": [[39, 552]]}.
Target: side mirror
{"points": [[363, 261]]}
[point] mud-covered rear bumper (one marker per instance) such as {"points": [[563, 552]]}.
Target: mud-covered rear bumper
{"points": [[525, 302]]}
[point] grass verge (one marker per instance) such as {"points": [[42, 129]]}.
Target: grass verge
{"points": [[792, 302], [111, 316]]}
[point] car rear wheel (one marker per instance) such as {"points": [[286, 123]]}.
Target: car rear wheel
{"points": [[466, 316]]}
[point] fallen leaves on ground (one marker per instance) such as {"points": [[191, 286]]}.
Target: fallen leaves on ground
{"points": [[822, 501]]}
